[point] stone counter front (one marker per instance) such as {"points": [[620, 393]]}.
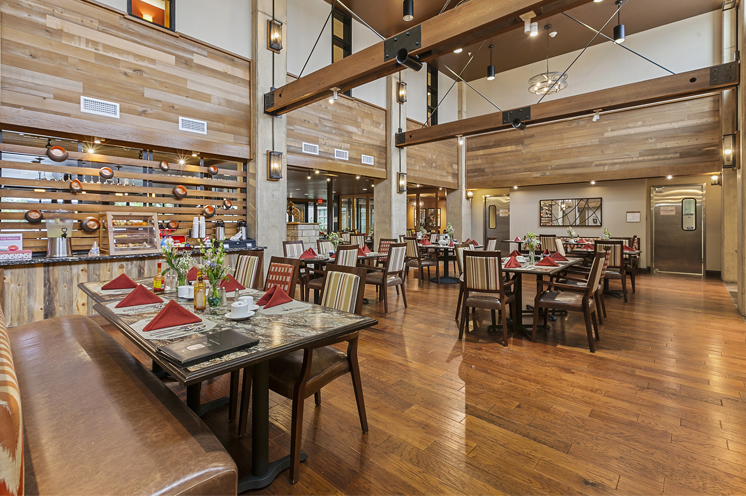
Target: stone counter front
{"points": [[299, 231]]}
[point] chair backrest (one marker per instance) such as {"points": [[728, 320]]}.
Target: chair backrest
{"points": [[345, 236], [282, 272], [483, 272], [248, 269], [547, 242], [434, 237], [470, 246], [413, 249], [384, 244], [324, 246], [460, 248], [397, 258], [635, 243], [401, 238], [594, 278], [491, 244], [560, 245], [293, 249], [605, 265], [346, 255], [343, 288], [617, 251], [11, 422], [357, 239]]}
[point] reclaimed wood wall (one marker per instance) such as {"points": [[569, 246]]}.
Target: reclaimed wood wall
{"points": [[347, 124], [55, 51], [674, 138], [433, 164]]}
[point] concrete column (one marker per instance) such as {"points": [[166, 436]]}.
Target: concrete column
{"points": [[458, 207], [729, 197], [740, 176], [390, 205], [267, 199]]}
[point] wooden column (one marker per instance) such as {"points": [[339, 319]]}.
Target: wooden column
{"points": [[728, 120]]}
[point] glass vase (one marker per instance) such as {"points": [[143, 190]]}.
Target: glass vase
{"points": [[182, 280], [531, 255], [213, 297]]}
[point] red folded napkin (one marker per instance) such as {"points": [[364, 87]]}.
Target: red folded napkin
{"points": [[547, 262], [545, 252], [309, 253], [121, 282], [512, 263], [360, 252], [517, 239], [172, 315], [366, 250], [279, 298], [192, 274], [231, 284], [587, 246], [475, 243], [450, 244], [515, 253], [139, 296], [426, 242], [558, 257], [581, 240], [627, 248], [265, 299]]}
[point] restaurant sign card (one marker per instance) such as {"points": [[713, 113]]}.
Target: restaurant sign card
{"points": [[11, 247]]}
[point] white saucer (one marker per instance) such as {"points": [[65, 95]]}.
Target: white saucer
{"points": [[228, 317], [255, 307]]}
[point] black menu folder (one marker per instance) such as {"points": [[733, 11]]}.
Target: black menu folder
{"points": [[199, 349]]}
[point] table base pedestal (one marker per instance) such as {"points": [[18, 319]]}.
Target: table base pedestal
{"points": [[251, 481], [445, 280]]}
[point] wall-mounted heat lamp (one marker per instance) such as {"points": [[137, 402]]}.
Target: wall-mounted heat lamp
{"points": [[401, 92], [401, 186], [274, 35], [274, 165], [729, 151]]}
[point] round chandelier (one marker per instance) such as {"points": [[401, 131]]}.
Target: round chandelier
{"points": [[548, 82]]}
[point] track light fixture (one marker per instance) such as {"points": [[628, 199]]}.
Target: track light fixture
{"points": [[596, 115], [619, 28], [408, 10], [491, 68], [534, 29], [517, 124], [334, 96]]}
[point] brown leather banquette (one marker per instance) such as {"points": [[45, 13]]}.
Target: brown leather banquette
{"points": [[95, 420]]}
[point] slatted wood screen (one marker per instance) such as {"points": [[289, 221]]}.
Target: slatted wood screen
{"points": [[25, 173]]}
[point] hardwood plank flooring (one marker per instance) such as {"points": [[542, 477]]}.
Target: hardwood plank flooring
{"points": [[660, 408]]}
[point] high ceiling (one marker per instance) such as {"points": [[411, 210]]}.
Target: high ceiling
{"points": [[516, 49]]}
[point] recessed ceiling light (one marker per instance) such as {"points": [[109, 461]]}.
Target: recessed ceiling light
{"points": [[515, 187], [593, 182], [297, 189], [309, 176], [669, 176], [357, 177], [714, 178], [316, 171], [328, 179], [458, 50], [91, 150], [181, 161], [365, 189]]}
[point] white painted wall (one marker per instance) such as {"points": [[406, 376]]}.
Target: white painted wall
{"points": [[305, 19], [417, 94], [117, 4], [374, 92], [686, 45]]}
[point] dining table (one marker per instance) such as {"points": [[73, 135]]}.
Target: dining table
{"points": [[280, 330], [441, 253]]}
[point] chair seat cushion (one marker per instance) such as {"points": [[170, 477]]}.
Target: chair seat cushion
{"points": [[327, 364], [613, 274], [487, 300], [316, 283], [563, 300], [377, 279], [426, 262]]}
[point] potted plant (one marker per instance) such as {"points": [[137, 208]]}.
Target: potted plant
{"points": [[177, 260], [213, 257]]}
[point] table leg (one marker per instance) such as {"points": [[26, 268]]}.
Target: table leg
{"points": [[262, 471], [446, 279], [193, 400], [158, 370]]}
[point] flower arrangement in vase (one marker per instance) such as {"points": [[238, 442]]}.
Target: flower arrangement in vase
{"points": [[606, 236], [333, 239], [531, 242], [178, 261], [213, 257], [571, 232], [449, 230]]}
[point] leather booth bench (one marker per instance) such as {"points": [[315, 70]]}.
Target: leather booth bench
{"points": [[95, 421]]}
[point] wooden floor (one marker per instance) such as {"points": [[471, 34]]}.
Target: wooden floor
{"points": [[660, 408]]}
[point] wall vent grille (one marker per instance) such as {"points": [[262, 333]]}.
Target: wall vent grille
{"points": [[310, 148], [90, 105], [192, 125], [341, 154], [368, 160]]}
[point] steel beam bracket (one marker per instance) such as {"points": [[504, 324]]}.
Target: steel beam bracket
{"points": [[725, 73], [269, 102], [522, 114], [410, 40], [401, 139]]}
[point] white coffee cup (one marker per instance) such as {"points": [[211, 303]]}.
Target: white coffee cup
{"points": [[239, 309], [186, 291], [249, 300]]}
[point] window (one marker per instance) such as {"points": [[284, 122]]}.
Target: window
{"points": [[432, 95], [159, 12], [689, 214], [341, 38]]}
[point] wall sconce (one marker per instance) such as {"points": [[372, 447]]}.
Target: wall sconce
{"points": [[274, 35], [729, 151], [401, 186], [715, 180], [274, 165], [469, 195], [401, 92]]}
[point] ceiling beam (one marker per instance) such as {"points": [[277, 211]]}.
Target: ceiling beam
{"points": [[470, 23], [661, 89]]}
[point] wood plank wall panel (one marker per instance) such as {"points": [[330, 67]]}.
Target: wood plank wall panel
{"points": [[674, 138], [347, 124], [433, 164], [55, 51]]}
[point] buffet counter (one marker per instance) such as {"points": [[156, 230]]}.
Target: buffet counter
{"points": [[43, 288]]}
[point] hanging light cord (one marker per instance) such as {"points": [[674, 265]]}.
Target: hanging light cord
{"points": [[582, 52], [618, 44]]}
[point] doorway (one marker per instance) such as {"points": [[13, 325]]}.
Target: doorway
{"points": [[678, 229], [497, 221]]}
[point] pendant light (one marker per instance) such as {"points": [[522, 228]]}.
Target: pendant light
{"points": [[491, 68], [548, 82], [619, 28], [408, 10]]}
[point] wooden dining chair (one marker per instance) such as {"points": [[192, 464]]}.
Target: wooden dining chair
{"points": [[324, 247], [383, 248], [392, 275], [459, 249], [345, 237], [559, 245], [485, 287], [248, 269], [357, 240], [548, 242], [617, 269], [572, 299], [401, 237], [282, 272], [414, 259], [578, 276], [491, 244], [294, 249], [303, 373], [346, 256]]}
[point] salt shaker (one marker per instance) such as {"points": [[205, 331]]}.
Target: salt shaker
{"points": [[223, 299]]}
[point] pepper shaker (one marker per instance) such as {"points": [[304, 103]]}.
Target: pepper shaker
{"points": [[223, 299]]}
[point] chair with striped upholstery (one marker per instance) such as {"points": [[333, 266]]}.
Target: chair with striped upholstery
{"points": [[392, 275], [11, 422], [578, 276], [282, 272], [346, 256], [302, 373], [460, 264], [383, 248], [484, 287], [617, 269], [324, 247], [401, 238], [294, 249], [491, 244], [548, 242], [248, 269], [345, 237], [414, 259], [560, 246], [434, 237], [357, 239]]}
